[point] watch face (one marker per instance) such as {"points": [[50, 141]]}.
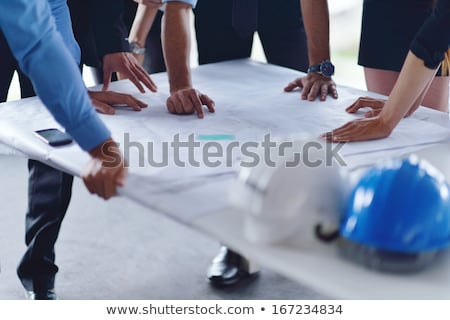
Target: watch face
{"points": [[327, 69]]}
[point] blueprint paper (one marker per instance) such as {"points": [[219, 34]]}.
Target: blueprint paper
{"points": [[250, 103]]}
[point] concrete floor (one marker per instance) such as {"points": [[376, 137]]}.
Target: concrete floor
{"points": [[120, 250]]}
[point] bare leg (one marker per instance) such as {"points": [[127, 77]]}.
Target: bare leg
{"points": [[382, 81]]}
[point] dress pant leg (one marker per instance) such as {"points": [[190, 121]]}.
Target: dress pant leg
{"points": [[217, 40], [154, 57], [282, 34], [7, 67], [26, 87], [49, 193]]}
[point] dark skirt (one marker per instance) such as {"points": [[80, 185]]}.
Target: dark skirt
{"points": [[388, 28]]}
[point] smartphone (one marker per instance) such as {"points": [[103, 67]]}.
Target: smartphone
{"points": [[54, 137]]}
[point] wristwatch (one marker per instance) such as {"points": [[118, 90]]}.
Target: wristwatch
{"points": [[325, 68], [136, 48]]}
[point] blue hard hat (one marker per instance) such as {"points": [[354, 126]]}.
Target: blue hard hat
{"points": [[401, 205]]}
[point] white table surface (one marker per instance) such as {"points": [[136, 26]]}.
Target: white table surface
{"points": [[250, 103]]}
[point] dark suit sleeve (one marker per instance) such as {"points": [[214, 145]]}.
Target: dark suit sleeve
{"points": [[108, 26], [433, 39]]}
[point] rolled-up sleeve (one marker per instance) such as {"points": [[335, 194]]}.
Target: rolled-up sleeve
{"points": [[193, 3], [433, 39], [42, 55]]}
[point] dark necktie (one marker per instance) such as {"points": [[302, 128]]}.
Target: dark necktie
{"points": [[245, 17]]}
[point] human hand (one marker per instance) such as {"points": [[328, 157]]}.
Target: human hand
{"points": [[150, 3], [105, 171], [188, 101], [362, 102], [127, 65], [104, 101], [139, 58], [313, 85], [360, 130]]}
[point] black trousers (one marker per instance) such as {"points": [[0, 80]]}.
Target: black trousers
{"points": [[280, 28], [49, 192], [7, 67], [154, 57]]}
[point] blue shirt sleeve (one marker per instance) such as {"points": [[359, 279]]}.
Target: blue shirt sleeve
{"points": [[193, 3], [433, 39], [63, 23], [43, 56]]}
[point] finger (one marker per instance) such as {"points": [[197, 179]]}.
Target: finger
{"points": [[96, 178], [305, 90], [357, 132], [140, 103], [186, 102], [128, 99], [133, 78], [106, 79], [365, 102], [100, 188], [208, 102], [197, 104], [109, 185], [328, 136], [121, 177], [378, 104], [145, 78], [355, 106], [88, 183], [130, 102], [343, 128], [178, 104], [323, 92], [314, 91], [292, 85], [348, 137], [335, 137], [333, 91], [87, 179], [372, 113], [332, 137], [103, 107], [170, 105]]}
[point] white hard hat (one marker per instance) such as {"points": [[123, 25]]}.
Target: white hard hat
{"points": [[305, 188]]}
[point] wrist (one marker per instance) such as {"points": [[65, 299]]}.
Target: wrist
{"points": [[104, 149], [108, 153], [325, 68], [176, 89], [136, 46], [389, 122], [179, 83]]}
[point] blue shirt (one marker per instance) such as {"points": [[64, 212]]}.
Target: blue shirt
{"points": [[48, 60]]}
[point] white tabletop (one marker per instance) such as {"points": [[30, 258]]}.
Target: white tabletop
{"points": [[250, 104]]}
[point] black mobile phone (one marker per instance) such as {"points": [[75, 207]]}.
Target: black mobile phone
{"points": [[54, 137]]}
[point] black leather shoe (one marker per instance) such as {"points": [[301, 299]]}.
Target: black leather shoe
{"points": [[229, 269], [47, 295]]}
